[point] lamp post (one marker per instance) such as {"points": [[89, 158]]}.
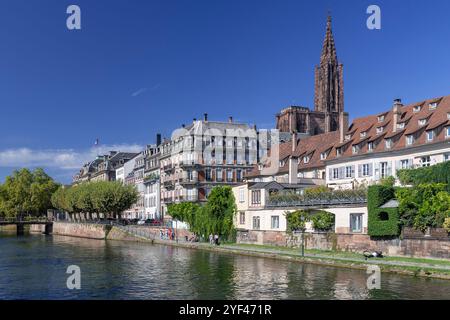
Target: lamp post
{"points": [[302, 218]]}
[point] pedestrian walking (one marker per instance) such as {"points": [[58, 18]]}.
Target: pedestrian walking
{"points": [[210, 238], [216, 239]]}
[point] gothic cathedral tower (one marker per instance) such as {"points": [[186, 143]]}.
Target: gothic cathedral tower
{"points": [[328, 97], [329, 83]]}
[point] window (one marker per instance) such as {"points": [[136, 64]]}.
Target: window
{"points": [[447, 132], [355, 222], [422, 122], [433, 105], [239, 175], [241, 195], [400, 125], [349, 171], [256, 197], [363, 134], [323, 156], [241, 217], [388, 143], [355, 149], [370, 146], [425, 161], [335, 173], [446, 156], [404, 164], [380, 130], [417, 108], [338, 152], [384, 169], [409, 139], [219, 175], [275, 222], [381, 118], [281, 163], [430, 135], [208, 174], [306, 159], [229, 175], [348, 136], [366, 169], [256, 223]]}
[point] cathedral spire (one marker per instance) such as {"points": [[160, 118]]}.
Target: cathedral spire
{"points": [[329, 84], [328, 48]]}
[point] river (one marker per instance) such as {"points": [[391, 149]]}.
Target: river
{"points": [[34, 267]]}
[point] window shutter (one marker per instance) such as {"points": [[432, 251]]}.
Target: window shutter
{"points": [[389, 168], [330, 174], [359, 170], [377, 170]]}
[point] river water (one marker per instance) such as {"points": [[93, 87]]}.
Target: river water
{"points": [[34, 267]]}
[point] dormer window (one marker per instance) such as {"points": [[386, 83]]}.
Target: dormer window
{"points": [[323, 156], [447, 132], [388, 143], [281, 163], [433, 105], [448, 115], [355, 149], [348, 136], [409, 139], [417, 108], [381, 118], [370, 146], [363, 134], [260, 167], [306, 159], [422, 122], [430, 135], [338, 152], [380, 130], [400, 125]]}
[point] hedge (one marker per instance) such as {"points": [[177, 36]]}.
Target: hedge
{"points": [[439, 173], [378, 227]]}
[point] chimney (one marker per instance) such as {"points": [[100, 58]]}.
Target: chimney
{"points": [[230, 119], [343, 126], [158, 139], [294, 141], [293, 161], [396, 112], [205, 117]]}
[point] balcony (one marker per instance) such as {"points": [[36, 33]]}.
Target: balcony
{"points": [[168, 167]]}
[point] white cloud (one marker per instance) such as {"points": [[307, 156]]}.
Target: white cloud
{"points": [[65, 159]]}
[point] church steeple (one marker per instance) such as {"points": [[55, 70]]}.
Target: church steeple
{"points": [[329, 84], [328, 48]]}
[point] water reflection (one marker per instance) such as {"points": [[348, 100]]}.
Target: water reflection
{"points": [[34, 267]]}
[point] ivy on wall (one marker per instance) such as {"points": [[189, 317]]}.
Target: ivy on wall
{"points": [[439, 173]]}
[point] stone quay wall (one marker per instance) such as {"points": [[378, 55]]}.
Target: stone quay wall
{"points": [[425, 247], [81, 230]]}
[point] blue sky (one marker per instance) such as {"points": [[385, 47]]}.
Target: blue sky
{"points": [[141, 67]]}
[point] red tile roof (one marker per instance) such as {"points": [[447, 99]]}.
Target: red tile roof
{"points": [[437, 119]]}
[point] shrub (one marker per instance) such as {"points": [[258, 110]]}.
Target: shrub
{"points": [[378, 225], [323, 221], [446, 224], [296, 220]]}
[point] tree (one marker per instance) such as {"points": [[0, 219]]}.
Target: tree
{"points": [[26, 192], [221, 208]]}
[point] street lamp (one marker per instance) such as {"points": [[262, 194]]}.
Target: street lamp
{"points": [[302, 218]]}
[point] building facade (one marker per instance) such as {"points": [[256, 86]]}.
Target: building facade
{"points": [[203, 155]]}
